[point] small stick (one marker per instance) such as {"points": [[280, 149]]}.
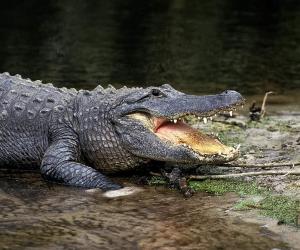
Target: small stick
{"points": [[270, 165], [263, 106], [256, 173], [225, 176], [155, 174]]}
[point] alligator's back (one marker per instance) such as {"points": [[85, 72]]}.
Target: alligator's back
{"points": [[25, 111]]}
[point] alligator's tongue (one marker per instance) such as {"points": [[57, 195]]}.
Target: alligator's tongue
{"points": [[181, 133]]}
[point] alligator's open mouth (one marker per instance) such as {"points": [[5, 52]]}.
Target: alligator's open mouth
{"points": [[179, 133]]}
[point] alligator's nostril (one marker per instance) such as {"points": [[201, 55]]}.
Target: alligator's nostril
{"points": [[230, 92], [226, 92], [232, 95]]}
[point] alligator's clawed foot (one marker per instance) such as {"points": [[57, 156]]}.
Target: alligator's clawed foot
{"points": [[184, 188], [175, 179]]}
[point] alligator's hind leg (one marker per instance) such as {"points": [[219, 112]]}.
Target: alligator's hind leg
{"points": [[60, 164]]}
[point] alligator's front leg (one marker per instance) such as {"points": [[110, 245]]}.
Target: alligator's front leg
{"points": [[60, 164]]}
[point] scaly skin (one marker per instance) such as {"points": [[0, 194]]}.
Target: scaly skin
{"points": [[74, 135]]}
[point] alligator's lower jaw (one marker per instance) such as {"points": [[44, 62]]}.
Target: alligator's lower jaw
{"points": [[208, 148]]}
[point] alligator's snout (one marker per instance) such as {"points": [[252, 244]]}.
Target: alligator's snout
{"points": [[176, 106]]}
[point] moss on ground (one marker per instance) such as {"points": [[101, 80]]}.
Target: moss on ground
{"points": [[225, 186], [280, 207], [283, 208], [156, 180]]}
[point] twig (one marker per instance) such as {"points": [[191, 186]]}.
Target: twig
{"points": [[225, 176], [269, 165], [155, 174], [256, 173], [263, 106]]}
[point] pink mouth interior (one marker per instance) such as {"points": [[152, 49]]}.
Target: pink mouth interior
{"points": [[181, 133]]}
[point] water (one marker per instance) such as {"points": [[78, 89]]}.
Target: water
{"points": [[35, 215], [199, 47]]}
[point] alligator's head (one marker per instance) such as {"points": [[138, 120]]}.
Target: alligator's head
{"points": [[151, 126]]}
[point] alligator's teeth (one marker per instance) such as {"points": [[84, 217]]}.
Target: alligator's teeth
{"points": [[175, 120], [215, 115], [242, 106], [205, 120], [199, 117], [210, 118], [230, 112]]}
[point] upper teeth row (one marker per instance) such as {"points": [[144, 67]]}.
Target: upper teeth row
{"points": [[199, 118]]}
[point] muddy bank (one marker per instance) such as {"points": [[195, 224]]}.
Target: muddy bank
{"points": [[272, 144]]}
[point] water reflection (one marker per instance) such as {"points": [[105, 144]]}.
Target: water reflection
{"points": [[199, 46]]}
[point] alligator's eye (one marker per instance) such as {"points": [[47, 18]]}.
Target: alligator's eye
{"points": [[157, 93], [152, 93]]}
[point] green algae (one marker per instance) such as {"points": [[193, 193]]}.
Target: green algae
{"points": [[280, 207], [224, 186], [156, 180], [283, 208], [247, 204]]}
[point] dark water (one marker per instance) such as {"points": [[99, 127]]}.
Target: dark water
{"points": [[199, 46], [36, 216]]}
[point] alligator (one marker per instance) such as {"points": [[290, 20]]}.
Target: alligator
{"points": [[77, 137]]}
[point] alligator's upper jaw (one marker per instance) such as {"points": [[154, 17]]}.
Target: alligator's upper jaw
{"points": [[207, 149]]}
